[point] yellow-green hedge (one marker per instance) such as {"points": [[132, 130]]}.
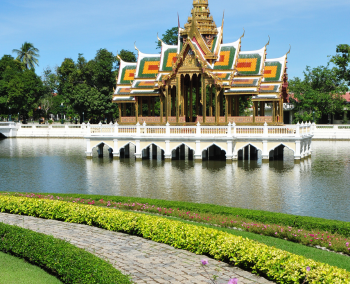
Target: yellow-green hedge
{"points": [[276, 264]]}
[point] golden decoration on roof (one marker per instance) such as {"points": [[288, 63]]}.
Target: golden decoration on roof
{"points": [[205, 22]]}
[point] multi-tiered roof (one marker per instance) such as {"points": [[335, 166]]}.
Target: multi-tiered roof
{"points": [[236, 71]]}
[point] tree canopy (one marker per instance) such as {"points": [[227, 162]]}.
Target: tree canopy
{"points": [[342, 62], [170, 37], [87, 86], [28, 54], [20, 88], [318, 94]]}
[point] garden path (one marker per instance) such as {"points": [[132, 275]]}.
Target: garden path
{"points": [[146, 261]]}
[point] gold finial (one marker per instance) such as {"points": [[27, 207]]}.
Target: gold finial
{"points": [[223, 20], [159, 39], [119, 57], [290, 47], [136, 47], [242, 34], [268, 42]]}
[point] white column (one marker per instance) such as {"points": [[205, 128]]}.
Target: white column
{"points": [[297, 150], [198, 153], [235, 153], [116, 153], [167, 154], [265, 153], [138, 152], [266, 133], [167, 129], [229, 151], [297, 131], [88, 149], [198, 130]]}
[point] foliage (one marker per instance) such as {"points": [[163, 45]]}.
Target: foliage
{"points": [[28, 55], [302, 222], [20, 88], [88, 86], [67, 262], [319, 93], [342, 61], [127, 56], [170, 37], [276, 264], [313, 237]]}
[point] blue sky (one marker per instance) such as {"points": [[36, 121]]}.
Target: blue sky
{"points": [[63, 28]]}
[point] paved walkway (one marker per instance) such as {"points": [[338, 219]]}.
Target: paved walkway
{"points": [[146, 261]]}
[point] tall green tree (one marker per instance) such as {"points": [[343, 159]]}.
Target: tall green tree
{"points": [[87, 86], [318, 94], [169, 37], [342, 62], [28, 55], [20, 88]]}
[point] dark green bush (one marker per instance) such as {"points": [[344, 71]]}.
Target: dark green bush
{"points": [[59, 258], [303, 222]]}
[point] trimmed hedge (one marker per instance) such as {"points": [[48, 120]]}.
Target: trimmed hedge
{"points": [[302, 222], [275, 264], [61, 259]]}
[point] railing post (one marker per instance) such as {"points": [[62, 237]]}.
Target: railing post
{"points": [[138, 132], [116, 127], [297, 130], [144, 127], [100, 125], [266, 130], [234, 129], [198, 129], [313, 127], [167, 128], [229, 130]]}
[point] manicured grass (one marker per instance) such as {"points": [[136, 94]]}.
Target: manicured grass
{"points": [[15, 270], [331, 258]]}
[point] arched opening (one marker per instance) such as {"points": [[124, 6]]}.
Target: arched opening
{"points": [[214, 153], [281, 153], [2, 136], [182, 152], [127, 151], [249, 153], [103, 151], [153, 152]]}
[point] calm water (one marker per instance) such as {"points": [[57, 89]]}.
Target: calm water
{"points": [[319, 186]]}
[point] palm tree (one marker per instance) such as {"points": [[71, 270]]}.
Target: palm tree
{"points": [[27, 54]]}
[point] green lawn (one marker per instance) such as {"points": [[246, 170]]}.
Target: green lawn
{"points": [[14, 270]]}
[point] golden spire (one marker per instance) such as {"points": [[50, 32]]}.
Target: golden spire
{"points": [[205, 23]]}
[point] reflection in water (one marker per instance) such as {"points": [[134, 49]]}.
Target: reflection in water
{"points": [[318, 186]]}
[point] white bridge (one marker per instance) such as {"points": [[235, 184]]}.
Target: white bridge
{"points": [[230, 142]]}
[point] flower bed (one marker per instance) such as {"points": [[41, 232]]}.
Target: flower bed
{"points": [[276, 264], [334, 242], [61, 259]]}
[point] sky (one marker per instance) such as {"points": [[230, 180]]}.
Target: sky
{"points": [[64, 28]]}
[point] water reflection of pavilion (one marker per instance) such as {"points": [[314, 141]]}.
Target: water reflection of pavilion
{"points": [[201, 79]]}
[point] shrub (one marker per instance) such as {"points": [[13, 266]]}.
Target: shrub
{"points": [[67, 262], [276, 264]]}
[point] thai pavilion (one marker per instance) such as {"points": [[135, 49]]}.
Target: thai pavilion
{"points": [[201, 79]]}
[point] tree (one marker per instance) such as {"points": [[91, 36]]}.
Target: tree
{"points": [[27, 55], [170, 37], [50, 81], [87, 86], [20, 88], [318, 94]]}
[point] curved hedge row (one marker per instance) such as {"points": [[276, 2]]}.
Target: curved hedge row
{"points": [[67, 262], [276, 264], [302, 222]]}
